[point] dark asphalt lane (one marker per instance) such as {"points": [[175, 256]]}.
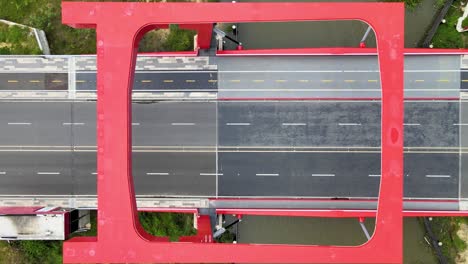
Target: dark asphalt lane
{"points": [[160, 80], [64, 173], [240, 174], [332, 174], [272, 124], [322, 123], [464, 144], [464, 80], [34, 81], [66, 124]]}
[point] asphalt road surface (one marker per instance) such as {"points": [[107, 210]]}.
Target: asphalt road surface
{"points": [[265, 148], [287, 149]]}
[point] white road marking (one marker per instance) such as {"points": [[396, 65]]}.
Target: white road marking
{"points": [[183, 124], [374, 175], [322, 175], [211, 174], [93, 173], [48, 173], [2, 172], [349, 124], [266, 174], [19, 123], [237, 124], [411, 124], [437, 176], [460, 124], [157, 173], [135, 124], [293, 124], [73, 124]]}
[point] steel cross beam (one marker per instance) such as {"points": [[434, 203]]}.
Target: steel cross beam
{"points": [[120, 237]]}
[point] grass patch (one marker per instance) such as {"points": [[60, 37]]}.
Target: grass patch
{"points": [[17, 40], [445, 229], [447, 36], [171, 225], [45, 15]]}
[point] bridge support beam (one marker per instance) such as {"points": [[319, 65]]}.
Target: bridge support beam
{"points": [[120, 237]]}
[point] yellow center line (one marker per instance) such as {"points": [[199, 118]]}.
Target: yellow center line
{"points": [[281, 81], [146, 81], [80, 81], [190, 81], [258, 81], [212, 81], [34, 81], [303, 81], [234, 80], [372, 81], [443, 80], [168, 81], [12, 81], [349, 81], [419, 80], [327, 81], [56, 81], [464, 80]]}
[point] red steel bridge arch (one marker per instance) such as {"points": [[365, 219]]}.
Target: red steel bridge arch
{"points": [[120, 237]]}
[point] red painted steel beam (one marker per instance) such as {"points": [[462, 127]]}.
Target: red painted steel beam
{"points": [[120, 236], [324, 213], [204, 33], [333, 51], [333, 213]]}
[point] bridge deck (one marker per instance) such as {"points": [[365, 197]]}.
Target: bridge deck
{"points": [[224, 127]]}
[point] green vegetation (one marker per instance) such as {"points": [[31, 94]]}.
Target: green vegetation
{"points": [[179, 39], [45, 15], [17, 40], [445, 229], [167, 224], [447, 36]]}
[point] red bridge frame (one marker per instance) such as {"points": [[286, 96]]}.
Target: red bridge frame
{"points": [[119, 28]]}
